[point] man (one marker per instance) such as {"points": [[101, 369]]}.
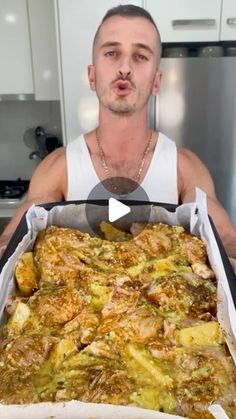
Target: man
{"points": [[124, 73]]}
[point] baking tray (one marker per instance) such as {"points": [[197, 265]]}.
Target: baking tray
{"points": [[198, 212], [21, 230]]}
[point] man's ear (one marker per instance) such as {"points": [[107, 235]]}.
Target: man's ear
{"points": [[156, 83], [91, 76]]}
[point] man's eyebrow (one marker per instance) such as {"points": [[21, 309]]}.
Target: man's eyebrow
{"points": [[136, 44], [143, 46], [110, 44]]}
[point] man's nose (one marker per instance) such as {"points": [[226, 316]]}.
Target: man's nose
{"points": [[125, 68]]}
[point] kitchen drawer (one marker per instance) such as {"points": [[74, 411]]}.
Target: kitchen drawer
{"points": [[186, 20], [228, 21]]}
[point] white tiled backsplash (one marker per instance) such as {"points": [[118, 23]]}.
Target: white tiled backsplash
{"points": [[15, 118]]}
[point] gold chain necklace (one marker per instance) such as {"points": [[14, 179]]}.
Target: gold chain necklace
{"points": [[104, 163]]}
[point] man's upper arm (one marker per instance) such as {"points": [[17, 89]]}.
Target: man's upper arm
{"points": [[50, 178], [193, 173]]}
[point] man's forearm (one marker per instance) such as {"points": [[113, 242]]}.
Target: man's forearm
{"points": [[229, 243], [4, 239], [9, 230]]}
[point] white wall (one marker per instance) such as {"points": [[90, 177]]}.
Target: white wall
{"points": [[15, 118]]}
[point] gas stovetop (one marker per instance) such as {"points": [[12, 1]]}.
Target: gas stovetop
{"points": [[13, 190]]}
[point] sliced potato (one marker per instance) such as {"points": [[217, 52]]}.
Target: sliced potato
{"points": [[26, 274], [208, 333], [112, 233], [62, 350], [147, 364], [18, 320]]}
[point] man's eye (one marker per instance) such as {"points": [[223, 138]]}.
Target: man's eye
{"points": [[110, 54], [142, 57]]}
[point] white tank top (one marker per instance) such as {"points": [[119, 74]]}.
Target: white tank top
{"points": [[159, 183]]}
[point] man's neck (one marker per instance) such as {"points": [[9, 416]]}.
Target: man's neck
{"points": [[123, 133]]}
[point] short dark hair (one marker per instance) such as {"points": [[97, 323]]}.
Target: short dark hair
{"points": [[129, 10]]}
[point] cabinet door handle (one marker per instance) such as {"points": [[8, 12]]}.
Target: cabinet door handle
{"points": [[231, 21], [193, 22]]}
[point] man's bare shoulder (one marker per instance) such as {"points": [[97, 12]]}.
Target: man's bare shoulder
{"points": [[50, 176], [192, 173], [56, 157], [189, 162], [187, 157], [54, 163]]}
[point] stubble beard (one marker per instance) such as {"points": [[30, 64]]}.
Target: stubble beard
{"points": [[122, 106], [125, 106]]}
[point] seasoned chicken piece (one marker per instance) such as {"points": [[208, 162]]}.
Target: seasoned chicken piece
{"points": [[95, 374], [193, 247], [20, 358], [181, 295], [82, 328], [118, 258], [206, 375], [25, 353], [56, 306], [46, 311], [160, 240], [138, 227], [139, 322], [154, 241], [63, 237], [143, 329], [102, 349], [203, 270], [169, 329], [64, 257], [162, 351], [144, 324], [61, 254], [108, 385], [120, 302]]}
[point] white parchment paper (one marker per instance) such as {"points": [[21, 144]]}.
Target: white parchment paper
{"points": [[74, 215]]}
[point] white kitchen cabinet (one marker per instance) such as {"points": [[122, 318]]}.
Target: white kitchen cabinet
{"points": [[77, 24], [228, 20], [44, 53], [186, 20], [15, 56]]}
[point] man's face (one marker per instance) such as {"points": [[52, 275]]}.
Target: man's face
{"points": [[124, 73]]}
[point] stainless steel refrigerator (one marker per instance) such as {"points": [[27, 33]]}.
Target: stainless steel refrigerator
{"points": [[196, 107]]}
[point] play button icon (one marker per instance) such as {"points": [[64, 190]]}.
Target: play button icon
{"points": [[117, 210], [118, 200]]}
